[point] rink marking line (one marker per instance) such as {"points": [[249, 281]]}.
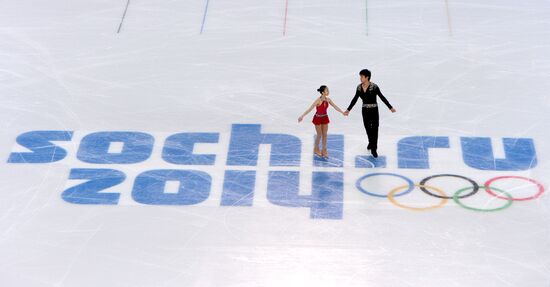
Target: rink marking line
{"points": [[204, 15], [123, 16], [449, 26], [285, 18]]}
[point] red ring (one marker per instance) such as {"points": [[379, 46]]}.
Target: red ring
{"points": [[540, 186]]}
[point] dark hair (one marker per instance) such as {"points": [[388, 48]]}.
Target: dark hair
{"points": [[322, 89], [365, 73]]}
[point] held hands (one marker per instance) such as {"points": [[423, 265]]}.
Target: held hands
{"points": [[300, 119], [393, 110]]}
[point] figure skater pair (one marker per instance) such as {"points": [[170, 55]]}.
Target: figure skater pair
{"points": [[368, 92]]}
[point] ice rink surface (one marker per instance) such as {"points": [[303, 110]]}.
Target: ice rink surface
{"points": [[156, 143]]}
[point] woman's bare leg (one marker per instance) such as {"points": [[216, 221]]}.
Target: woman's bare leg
{"points": [[324, 129], [319, 131]]}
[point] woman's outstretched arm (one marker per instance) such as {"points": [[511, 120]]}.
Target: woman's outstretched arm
{"points": [[334, 106], [307, 111]]}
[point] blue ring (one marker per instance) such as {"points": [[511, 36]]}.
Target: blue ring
{"points": [[408, 180]]}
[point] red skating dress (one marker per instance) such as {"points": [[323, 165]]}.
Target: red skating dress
{"points": [[321, 116]]}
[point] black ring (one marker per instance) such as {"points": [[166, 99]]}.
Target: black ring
{"points": [[474, 190]]}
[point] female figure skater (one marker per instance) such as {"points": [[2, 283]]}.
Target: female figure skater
{"points": [[321, 120]]}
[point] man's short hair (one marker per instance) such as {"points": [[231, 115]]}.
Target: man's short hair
{"points": [[365, 73]]}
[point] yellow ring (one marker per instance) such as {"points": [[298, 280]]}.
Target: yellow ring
{"points": [[440, 204]]}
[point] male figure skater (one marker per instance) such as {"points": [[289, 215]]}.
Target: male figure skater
{"points": [[368, 91]]}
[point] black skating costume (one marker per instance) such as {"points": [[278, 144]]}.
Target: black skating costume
{"points": [[370, 110]]}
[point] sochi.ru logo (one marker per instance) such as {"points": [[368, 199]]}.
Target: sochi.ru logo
{"points": [[120, 150]]}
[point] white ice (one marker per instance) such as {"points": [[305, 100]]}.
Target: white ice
{"points": [[451, 68]]}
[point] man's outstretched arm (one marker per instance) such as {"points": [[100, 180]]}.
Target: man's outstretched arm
{"points": [[385, 101], [353, 101]]}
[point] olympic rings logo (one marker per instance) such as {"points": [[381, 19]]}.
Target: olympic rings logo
{"points": [[456, 196]]}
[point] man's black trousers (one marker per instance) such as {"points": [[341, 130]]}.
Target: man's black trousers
{"points": [[370, 121]]}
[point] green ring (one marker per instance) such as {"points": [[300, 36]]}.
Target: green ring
{"points": [[457, 200]]}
